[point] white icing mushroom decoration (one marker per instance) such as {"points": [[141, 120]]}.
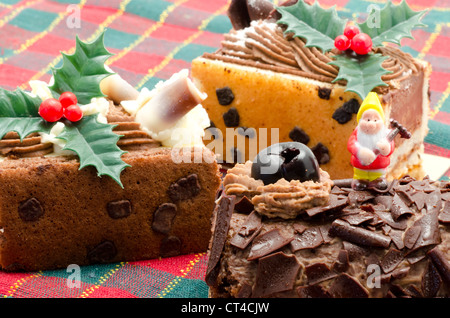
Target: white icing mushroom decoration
{"points": [[171, 105]]}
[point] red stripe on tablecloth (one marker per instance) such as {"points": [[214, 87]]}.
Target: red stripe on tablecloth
{"points": [[209, 39], [130, 23], [95, 14], [13, 76], [442, 117], [171, 265], [51, 44], [439, 81], [202, 5], [138, 62], [12, 37], [173, 33], [443, 49], [436, 150]]}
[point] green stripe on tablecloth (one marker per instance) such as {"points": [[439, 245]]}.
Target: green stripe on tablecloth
{"points": [[438, 134], [150, 9], [118, 39], [33, 20], [192, 50], [219, 24]]}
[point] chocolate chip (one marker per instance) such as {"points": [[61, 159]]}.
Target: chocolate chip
{"points": [[431, 281], [163, 218], [30, 210], [184, 188], [225, 96], [299, 135], [341, 116], [247, 132], [267, 243], [344, 286], [321, 152], [231, 117], [102, 253], [351, 106], [275, 273], [223, 211], [358, 235], [310, 238], [170, 246], [248, 231], [324, 93], [119, 209]]}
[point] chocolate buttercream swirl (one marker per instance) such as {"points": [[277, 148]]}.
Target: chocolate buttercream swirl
{"points": [[285, 199], [264, 45], [132, 138], [30, 146]]}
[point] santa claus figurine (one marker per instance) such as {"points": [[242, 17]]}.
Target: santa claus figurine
{"points": [[369, 146]]}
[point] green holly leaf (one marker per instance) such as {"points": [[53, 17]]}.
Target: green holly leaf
{"points": [[96, 145], [82, 72], [19, 113], [392, 23], [362, 73], [318, 26]]}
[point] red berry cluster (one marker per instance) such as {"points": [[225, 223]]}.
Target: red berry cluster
{"points": [[353, 39], [53, 110]]}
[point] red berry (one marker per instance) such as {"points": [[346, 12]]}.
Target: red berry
{"points": [[51, 110], [350, 31], [342, 42], [361, 44], [67, 99], [73, 113]]}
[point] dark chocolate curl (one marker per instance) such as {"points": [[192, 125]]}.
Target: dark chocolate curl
{"points": [[224, 210], [442, 264], [242, 12], [358, 235]]}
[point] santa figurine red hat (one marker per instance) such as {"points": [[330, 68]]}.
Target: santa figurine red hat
{"points": [[369, 146]]}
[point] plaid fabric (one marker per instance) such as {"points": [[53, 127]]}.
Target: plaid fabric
{"points": [[164, 36]]}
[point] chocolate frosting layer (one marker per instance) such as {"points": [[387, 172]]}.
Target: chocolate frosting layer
{"points": [[264, 45]]}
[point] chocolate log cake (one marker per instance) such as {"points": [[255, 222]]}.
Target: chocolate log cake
{"points": [[111, 186], [344, 244], [267, 75]]}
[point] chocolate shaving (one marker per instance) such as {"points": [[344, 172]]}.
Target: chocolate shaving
{"points": [[358, 197], [267, 243], [433, 201], [318, 272], [388, 219], [247, 232], [431, 281], [342, 262], [244, 205], [399, 208], [439, 260], [429, 233], [358, 235], [391, 260], [275, 273], [310, 238], [444, 215], [344, 286], [224, 210], [411, 236], [313, 291], [335, 203]]}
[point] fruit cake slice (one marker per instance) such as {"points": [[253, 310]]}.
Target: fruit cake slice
{"points": [[269, 73]]}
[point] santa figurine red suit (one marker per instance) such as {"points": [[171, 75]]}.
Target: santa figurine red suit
{"points": [[369, 146]]}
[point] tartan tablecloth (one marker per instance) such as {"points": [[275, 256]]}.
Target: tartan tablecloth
{"points": [[164, 36]]}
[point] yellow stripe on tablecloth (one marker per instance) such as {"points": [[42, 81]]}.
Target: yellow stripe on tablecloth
{"points": [[39, 36], [100, 29], [169, 57], [184, 273], [16, 11], [146, 34], [13, 288], [90, 290]]}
